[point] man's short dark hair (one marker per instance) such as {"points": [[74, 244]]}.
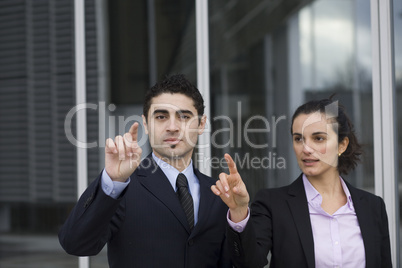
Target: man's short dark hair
{"points": [[175, 84]]}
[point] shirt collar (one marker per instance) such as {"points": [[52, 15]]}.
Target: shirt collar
{"points": [[315, 198], [347, 193], [172, 173]]}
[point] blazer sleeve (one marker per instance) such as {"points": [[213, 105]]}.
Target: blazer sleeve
{"points": [[250, 248], [91, 223], [386, 261]]}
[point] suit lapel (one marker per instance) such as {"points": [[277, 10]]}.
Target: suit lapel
{"points": [[156, 182], [301, 216], [206, 200], [362, 210]]}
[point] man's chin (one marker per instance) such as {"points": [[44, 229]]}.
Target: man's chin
{"points": [[171, 153]]}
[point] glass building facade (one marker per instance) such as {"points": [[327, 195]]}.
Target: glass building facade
{"points": [[263, 59]]}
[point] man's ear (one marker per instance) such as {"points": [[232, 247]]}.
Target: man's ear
{"points": [[201, 126], [144, 122]]}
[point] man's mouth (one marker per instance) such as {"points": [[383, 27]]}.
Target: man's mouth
{"points": [[172, 141]]}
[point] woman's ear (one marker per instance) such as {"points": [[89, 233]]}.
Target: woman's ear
{"points": [[343, 145]]}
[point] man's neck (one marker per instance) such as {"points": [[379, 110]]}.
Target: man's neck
{"points": [[179, 163]]}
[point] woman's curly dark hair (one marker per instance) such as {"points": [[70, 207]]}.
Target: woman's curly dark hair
{"points": [[350, 158]]}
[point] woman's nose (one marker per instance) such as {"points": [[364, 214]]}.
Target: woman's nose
{"points": [[307, 149]]}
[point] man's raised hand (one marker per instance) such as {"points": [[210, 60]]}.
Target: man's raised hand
{"points": [[123, 155], [232, 191]]}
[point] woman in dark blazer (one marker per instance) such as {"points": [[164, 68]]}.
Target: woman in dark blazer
{"points": [[319, 220]]}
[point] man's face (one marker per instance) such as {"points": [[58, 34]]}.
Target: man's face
{"points": [[173, 126]]}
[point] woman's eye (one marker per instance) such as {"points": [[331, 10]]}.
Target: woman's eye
{"points": [[319, 138]]}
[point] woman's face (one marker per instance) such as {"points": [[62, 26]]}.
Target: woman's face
{"points": [[316, 145]]}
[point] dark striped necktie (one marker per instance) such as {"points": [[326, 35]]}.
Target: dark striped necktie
{"points": [[185, 198]]}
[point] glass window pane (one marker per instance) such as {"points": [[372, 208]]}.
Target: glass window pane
{"points": [[37, 166], [148, 40], [37, 161], [268, 58]]}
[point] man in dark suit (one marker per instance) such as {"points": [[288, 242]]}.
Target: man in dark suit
{"points": [[158, 212]]}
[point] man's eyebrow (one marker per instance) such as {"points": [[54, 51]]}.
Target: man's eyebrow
{"points": [[184, 112], [163, 111], [160, 111]]}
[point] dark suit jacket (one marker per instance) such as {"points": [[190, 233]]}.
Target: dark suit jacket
{"points": [[280, 223], [146, 226]]}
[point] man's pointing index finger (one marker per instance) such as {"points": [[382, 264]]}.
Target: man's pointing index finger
{"points": [[134, 131], [231, 164]]}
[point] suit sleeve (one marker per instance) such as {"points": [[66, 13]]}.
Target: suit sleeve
{"points": [[250, 248], [92, 221], [224, 260]]}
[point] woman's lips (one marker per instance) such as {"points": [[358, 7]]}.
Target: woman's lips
{"points": [[310, 162]]}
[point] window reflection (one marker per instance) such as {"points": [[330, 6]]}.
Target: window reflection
{"points": [[268, 57], [149, 39], [327, 37], [37, 166], [336, 58]]}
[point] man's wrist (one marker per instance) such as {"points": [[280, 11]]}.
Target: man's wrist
{"points": [[112, 188]]}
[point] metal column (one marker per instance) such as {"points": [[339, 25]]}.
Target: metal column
{"points": [[80, 90], [385, 143], [202, 42]]}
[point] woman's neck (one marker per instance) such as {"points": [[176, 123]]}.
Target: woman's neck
{"points": [[327, 184]]}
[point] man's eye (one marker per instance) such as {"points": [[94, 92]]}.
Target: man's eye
{"points": [[160, 117], [184, 117]]}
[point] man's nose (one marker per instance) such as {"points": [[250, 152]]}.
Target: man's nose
{"points": [[174, 125]]}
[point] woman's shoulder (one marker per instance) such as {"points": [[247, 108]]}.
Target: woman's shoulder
{"points": [[358, 194], [279, 192]]}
